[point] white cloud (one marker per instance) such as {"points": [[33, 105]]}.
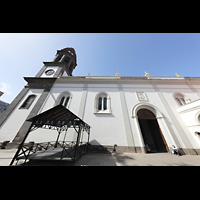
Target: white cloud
{"points": [[5, 88]]}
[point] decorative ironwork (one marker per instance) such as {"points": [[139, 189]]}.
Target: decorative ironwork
{"points": [[60, 119], [68, 150]]}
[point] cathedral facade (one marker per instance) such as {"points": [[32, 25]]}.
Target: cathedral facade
{"points": [[128, 112]]}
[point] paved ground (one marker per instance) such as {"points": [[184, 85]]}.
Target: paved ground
{"points": [[159, 159], [120, 159], [6, 156], [138, 159]]}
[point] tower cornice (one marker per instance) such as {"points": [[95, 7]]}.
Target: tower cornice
{"points": [[39, 83]]}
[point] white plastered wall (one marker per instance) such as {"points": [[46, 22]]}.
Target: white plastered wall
{"points": [[13, 123]]}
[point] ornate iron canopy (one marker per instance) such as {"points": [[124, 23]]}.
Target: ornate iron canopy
{"points": [[57, 118]]}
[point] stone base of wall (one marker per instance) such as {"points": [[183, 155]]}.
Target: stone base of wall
{"points": [[111, 149]]}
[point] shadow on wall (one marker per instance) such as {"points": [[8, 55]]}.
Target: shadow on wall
{"points": [[96, 147], [169, 125], [102, 156]]}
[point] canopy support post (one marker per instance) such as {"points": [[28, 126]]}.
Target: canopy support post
{"points": [[60, 119], [77, 142], [88, 139], [20, 146], [56, 144]]}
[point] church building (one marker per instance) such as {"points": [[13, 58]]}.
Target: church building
{"points": [[128, 112]]}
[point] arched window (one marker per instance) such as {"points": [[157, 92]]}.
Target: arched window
{"points": [[64, 99], [178, 101], [27, 103], [102, 103], [181, 99]]}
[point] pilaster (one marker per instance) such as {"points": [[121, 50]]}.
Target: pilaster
{"points": [[26, 125], [178, 127], [82, 105], [127, 125], [13, 105]]}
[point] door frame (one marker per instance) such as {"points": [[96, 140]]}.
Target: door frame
{"points": [[165, 132]]}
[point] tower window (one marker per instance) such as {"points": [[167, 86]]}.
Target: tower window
{"points": [[66, 60], [27, 103], [58, 58]]}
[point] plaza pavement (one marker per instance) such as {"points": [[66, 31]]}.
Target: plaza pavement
{"points": [[139, 159], [119, 159]]}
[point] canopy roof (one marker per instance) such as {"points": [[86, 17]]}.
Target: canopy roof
{"points": [[57, 116]]}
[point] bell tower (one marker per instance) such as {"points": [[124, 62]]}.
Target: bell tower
{"points": [[64, 61]]}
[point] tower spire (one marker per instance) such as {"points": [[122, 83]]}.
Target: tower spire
{"points": [[67, 56], [64, 61]]}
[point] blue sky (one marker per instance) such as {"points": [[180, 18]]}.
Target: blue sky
{"points": [[100, 54]]}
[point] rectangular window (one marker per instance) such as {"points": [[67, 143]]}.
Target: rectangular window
{"points": [[62, 100], [183, 101], [100, 104], [178, 101], [28, 102], [105, 103], [66, 102]]}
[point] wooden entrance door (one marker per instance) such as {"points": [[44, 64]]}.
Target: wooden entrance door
{"points": [[151, 131]]}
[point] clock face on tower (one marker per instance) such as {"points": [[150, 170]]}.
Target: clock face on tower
{"points": [[49, 72]]}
